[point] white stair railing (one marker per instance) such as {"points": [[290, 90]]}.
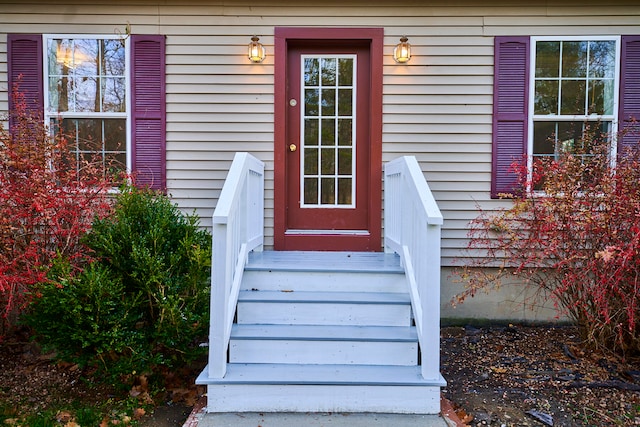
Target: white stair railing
{"points": [[238, 224], [412, 228]]}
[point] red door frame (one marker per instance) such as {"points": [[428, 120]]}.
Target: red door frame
{"points": [[372, 241]]}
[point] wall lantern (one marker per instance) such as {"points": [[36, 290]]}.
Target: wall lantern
{"points": [[402, 51], [257, 52]]}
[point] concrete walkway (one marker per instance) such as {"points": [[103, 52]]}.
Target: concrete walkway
{"points": [[318, 420], [199, 418]]}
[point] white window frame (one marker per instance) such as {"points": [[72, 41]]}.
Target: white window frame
{"points": [[48, 115], [532, 118]]}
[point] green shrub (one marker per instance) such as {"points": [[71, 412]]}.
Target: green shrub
{"points": [[142, 302]]}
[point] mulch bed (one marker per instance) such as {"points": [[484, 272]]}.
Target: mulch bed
{"points": [[497, 376], [536, 376]]}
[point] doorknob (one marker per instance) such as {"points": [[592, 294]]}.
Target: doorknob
{"points": [[293, 147]]}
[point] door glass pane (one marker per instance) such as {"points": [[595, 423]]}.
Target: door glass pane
{"points": [[345, 105], [328, 132], [310, 161], [310, 132], [327, 195], [328, 173], [328, 71], [311, 102], [310, 191], [345, 131], [344, 161], [311, 71], [328, 162], [328, 102], [345, 78], [344, 191]]}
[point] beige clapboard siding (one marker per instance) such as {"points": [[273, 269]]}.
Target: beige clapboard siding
{"points": [[437, 107]]}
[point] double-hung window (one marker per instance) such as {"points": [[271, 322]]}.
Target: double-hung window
{"points": [[548, 90], [574, 89], [86, 96], [107, 93]]}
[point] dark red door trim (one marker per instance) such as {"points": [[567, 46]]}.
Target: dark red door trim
{"points": [[372, 241]]}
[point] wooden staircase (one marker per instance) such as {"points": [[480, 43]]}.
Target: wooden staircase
{"points": [[323, 331]]}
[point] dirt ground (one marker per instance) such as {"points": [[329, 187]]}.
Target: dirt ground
{"points": [[34, 383], [536, 376], [497, 376]]}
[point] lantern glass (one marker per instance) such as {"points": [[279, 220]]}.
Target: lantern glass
{"points": [[257, 52], [402, 51]]}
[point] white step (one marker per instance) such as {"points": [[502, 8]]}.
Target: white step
{"points": [[324, 271], [296, 344], [322, 388], [324, 308]]}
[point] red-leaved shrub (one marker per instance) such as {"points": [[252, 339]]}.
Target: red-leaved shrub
{"points": [[46, 205], [573, 235]]}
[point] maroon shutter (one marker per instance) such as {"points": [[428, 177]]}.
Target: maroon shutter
{"points": [[629, 114], [24, 62], [148, 117], [510, 101]]}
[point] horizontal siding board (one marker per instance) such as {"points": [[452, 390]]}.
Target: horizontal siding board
{"points": [[222, 89], [445, 119], [184, 106], [234, 98], [455, 99], [606, 19], [431, 109], [545, 30], [430, 90], [232, 118], [437, 128]]}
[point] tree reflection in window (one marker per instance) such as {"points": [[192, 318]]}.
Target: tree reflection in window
{"points": [[574, 92], [87, 97]]}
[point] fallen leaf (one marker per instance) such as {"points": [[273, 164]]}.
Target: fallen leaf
{"points": [[139, 413], [63, 417]]}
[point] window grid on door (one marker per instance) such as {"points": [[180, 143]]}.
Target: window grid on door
{"points": [[328, 131]]}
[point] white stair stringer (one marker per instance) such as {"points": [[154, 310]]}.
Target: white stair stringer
{"points": [[323, 332]]}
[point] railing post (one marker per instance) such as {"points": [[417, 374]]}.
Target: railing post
{"points": [[430, 282], [220, 273]]}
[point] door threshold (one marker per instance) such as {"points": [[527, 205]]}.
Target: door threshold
{"points": [[295, 232]]}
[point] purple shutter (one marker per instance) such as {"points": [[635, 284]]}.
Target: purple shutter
{"points": [[629, 114], [510, 102], [24, 62], [148, 116]]}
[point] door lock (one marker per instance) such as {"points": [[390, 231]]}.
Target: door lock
{"points": [[293, 147]]}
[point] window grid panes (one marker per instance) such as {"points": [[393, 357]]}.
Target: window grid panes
{"points": [[86, 80], [327, 131], [574, 88]]}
